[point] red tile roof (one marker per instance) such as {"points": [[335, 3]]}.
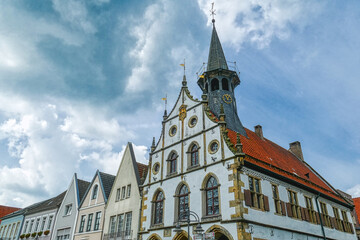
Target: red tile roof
{"points": [[5, 210], [142, 168], [270, 156], [357, 207]]}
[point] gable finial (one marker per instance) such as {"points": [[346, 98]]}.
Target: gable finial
{"points": [[212, 13]]}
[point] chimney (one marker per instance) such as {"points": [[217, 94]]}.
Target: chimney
{"points": [[295, 148], [258, 131]]}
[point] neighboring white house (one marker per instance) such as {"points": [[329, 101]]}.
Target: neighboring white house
{"points": [[122, 210], [240, 184], [39, 221], [67, 215]]}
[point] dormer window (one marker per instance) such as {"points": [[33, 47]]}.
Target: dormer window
{"points": [[95, 192]]}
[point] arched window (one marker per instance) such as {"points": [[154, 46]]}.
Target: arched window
{"points": [[206, 87], [194, 155], [212, 197], [95, 191], [214, 84], [225, 84], [183, 201], [172, 162], [159, 208]]}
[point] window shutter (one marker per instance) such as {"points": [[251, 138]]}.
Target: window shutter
{"points": [[302, 213], [247, 195], [307, 216], [266, 203], [332, 222], [317, 218], [322, 219], [351, 227], [288, 209], [336, 224], [283, 211]]}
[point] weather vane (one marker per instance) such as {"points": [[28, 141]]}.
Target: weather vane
{"points": [[212, 12], [183, 65]]}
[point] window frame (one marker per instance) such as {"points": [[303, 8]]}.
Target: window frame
{"points": [[118, 195], [128, 190], [294, 203], [213, 189], [95, 191], [158, 208], [68, 209], [82, 223], [277, 201], [89, 222], [257, 198], [172, 163], [310, 209], [97, 221], [325, 215]]}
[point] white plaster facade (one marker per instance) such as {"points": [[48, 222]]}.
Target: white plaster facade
{"points": [[123, 206]]}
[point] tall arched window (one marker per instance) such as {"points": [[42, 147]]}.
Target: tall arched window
{"points": [[159, 208], [214, 84], [95, 191], [183, 201], [194, 155], [172, 162], [225, 84], [212, 197]]}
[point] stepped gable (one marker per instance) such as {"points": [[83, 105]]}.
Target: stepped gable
{"points": [[142, 169], [107, 181], [270, 156], [82, 185]]}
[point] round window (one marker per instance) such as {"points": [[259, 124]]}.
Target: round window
{"points": [[193, 121], [172, 130], [156, 168], [213, 146]]}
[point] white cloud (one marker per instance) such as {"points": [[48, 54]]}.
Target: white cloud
{"points": [[258, 21], [354, 191]]}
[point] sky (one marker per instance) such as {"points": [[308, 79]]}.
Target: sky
{"points": [[80, 79]]}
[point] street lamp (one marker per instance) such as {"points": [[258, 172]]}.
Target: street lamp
{"points": [[186, 217]]}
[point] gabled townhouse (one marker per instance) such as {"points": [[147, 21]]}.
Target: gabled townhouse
{"points": [[64, 227], [89, 224], [5, 210], [39, 220], [123, 206], [9, 227]]}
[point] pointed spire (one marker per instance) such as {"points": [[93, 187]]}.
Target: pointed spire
{"points": [[153, 145], [184, 82], [216, 58]]}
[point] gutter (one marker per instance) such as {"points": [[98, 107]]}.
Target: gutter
{"points": [[321, 223]]}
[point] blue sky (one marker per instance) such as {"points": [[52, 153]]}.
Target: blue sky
{"points": [[79, 79]]}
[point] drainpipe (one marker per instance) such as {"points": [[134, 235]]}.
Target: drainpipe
{"points": [[321, 223]]}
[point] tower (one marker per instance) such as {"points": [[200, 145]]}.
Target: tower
{"points": [[218, 84]]}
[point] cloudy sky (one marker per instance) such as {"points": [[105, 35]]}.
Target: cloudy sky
{"points": [[79, 79]]}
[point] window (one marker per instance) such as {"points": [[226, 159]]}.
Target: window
{"points": [[338, 223], [112, 224], [172, 162], [225, 84], [117, 195], [255, 191], [276, 197], [156, 168], [43, 224], [192, 121], [213, 146], [120, 224], [37, 224], [206, 87], [346, 224], [159, 208], [82, 223], [123, 191], [88, 225], [212, 197], [194, 155], [294, 205], [97, 221], [128, 217], [128, 192], [172, 131], [183, 201], [95, 192], [214, 84], [310, 210], [63, 234], [25, 228], [68, 209], [31, 225], [324, 214], [16, 229], [50, 222]]}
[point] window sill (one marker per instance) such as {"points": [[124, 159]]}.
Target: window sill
{"points": [[171, 174], [156, 226], [211, 218], [193, 167]]}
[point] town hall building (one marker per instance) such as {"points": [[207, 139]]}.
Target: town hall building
{"points": [[231, 181]]}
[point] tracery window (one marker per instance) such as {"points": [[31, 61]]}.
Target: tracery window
{"points": [[183, 200], [212, 197], [159, 208]]}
